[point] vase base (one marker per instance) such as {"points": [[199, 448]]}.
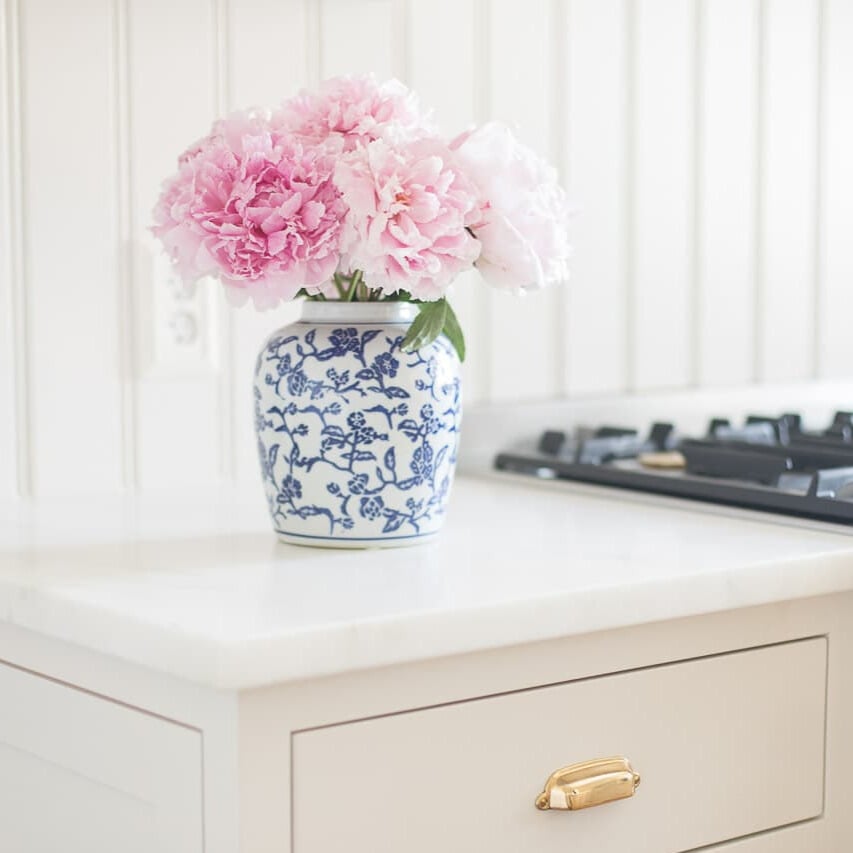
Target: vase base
{"points": [[355, 543]]}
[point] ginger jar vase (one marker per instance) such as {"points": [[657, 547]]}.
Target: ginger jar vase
{"points": [[357, 439]]}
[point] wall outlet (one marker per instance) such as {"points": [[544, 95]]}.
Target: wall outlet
{"points": [[179, 333]]}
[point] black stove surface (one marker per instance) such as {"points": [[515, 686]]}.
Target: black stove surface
{"points": [[766, 463]]}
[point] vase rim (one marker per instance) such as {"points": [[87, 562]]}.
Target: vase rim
{"points": [[336, 311]]}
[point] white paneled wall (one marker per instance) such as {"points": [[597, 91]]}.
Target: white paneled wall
{"points": [[596, 345], [727, 168], [788, 188], [8, 269], [523, 79], [706, 145], [72, 247], [835, 192], [661, 193]]}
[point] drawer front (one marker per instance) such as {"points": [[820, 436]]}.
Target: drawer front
{"points": [[726, 746], [82, 774]]}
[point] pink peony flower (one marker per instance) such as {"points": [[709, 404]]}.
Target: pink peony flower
{"points": [[231, 130], [408, 212], [254, 207], [349, 111], [522, 223]]}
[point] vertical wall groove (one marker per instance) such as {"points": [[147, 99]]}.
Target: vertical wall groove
{"points": [[482, 109], [401, 49], [8, 425], [698, 147], [630, 194], [313, 42], [125, 230], [760, 132], [20, 272], [227, 393], [561, 109], [819, 278], [16, 255]]}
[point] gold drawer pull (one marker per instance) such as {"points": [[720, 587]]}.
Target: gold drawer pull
{"points": [[590, 783]]}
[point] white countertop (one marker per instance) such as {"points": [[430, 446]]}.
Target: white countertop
{"points": [[200, 588]]}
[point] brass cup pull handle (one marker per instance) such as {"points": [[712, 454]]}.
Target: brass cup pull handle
{"points": [[590, 783]]}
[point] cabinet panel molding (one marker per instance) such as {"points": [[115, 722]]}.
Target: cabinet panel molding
{"points": [[110, 777]]}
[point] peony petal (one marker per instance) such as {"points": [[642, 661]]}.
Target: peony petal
{"points": [[424, 207], [507, 260], [312, 214]]}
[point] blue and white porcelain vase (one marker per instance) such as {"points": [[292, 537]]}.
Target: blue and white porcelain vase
{"points": [[357, 439]]}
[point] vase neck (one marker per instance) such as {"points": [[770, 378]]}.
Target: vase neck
{"points": [[335, 311]]}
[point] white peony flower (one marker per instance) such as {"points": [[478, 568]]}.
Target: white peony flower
{"points": [[524, 213]]}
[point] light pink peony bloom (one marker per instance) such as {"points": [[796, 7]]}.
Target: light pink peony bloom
{"points": [[352, 111], [256, 208], [408, 212], [523, 219]]}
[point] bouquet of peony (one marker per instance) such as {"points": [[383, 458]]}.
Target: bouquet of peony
{"points": [[348, 193]]}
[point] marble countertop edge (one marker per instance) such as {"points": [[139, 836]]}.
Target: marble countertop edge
{"points": [[328, 649]]}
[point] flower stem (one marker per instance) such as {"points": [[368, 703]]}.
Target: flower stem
{"points": [[355, 281], [339, 285]]}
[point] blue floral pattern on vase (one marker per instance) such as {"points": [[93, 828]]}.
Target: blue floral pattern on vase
{"points": [[357, 439]]}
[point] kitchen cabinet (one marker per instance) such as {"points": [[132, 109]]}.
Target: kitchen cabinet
{"points": [[79, 772], [735, 723], [727, 746], [190, 685]]}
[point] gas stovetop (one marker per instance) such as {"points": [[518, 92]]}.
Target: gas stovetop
{"points": [[765, 463]]}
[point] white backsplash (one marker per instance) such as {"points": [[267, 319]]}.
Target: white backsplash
{"points": [[706, 145]]}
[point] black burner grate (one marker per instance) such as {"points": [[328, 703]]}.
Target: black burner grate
{"points": [[766, 463]]}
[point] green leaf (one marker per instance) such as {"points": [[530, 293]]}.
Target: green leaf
{"points": [[427, 326], [453, 331]]}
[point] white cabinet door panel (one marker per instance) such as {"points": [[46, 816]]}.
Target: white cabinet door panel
{"points": [[82, 774]]}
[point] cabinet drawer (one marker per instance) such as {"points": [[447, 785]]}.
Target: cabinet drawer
{"points": [[82, 774], [726, 746]]}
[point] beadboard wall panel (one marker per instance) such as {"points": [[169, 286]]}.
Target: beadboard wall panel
{"points": [[361, 36], [595, 345], [728, 35], [451, 87], [260, 73], [705, 144], [788, 179], [524, 94], [835, 297], [70, 245], [8, 405], [177, 403], [662, 352]]}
